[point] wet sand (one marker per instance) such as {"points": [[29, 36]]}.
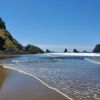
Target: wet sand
{"points": [[17, 86]]}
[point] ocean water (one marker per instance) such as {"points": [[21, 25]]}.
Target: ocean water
{"points": [[77, 77]]}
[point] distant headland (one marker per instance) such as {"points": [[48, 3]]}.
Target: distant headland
{"points": [[9, 45]]}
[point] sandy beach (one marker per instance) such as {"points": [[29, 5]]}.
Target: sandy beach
{"points": [[17, 86]]}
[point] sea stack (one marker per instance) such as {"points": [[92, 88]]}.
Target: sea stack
{"points": [[97, 49]]}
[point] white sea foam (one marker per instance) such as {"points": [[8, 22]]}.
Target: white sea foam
{"points": [[5, 66], [16, 61], [93, 61], [73, 54]]}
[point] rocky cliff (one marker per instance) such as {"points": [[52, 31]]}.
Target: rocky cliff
{"points": [[32, 49], [97, 49], [9, 44]]}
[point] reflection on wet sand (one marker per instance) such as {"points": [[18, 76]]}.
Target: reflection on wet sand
{"points": [[18, 86], [3, 76]]}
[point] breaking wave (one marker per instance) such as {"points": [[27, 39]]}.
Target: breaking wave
{"points": [[67, 74], [95, 61], [32, 75]]}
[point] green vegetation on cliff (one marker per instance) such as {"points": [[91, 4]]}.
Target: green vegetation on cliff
{"points": [[32, 49], [9, 44]]}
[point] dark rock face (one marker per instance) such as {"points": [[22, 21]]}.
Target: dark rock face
{"points": [[75, 51], [2, 24], [48, 51], [10, 45], [7, 42], [1, 44], [84, 51], [32, 49], [97, 49], [65, 50]]}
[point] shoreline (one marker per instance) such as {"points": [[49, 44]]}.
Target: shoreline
{"points": [[56, 94], [33, 76], [73, 54]]}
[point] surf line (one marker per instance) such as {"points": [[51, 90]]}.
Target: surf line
{"points": [[39, 81], [92, 61]]}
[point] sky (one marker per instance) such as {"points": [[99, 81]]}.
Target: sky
{"points": [[53, 24]]}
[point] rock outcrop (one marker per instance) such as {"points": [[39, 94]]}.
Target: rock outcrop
{"points": [[7, 42], [10, 45], [32, 49], [97, 49], [48, 51], [65, 50], [2, 24], [75, 51]]}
